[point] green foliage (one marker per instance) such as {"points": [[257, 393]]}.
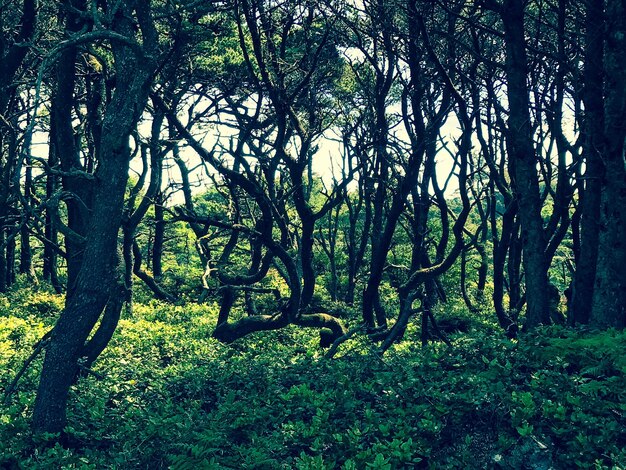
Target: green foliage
{"points": [[173, 397], [26, 302]]}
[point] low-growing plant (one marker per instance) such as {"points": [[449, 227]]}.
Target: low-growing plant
{"points": [[167, 395]]}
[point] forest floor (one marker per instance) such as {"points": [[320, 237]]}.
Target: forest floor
{"points": [[167, 395]]}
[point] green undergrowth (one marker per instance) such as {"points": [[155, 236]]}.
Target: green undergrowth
{"points": [[172, 397]]}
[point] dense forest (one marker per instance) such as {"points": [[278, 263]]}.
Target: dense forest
{"points": [[313, 234]]}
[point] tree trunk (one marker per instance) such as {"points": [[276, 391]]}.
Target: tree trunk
{"points": [[92, 290], [50, 229], [514, 264], [522, 157], [159, 237], [26, 254], [3, 258], [609, 296], [67, 149], [11, 259], [590, 193], [96, 277]]}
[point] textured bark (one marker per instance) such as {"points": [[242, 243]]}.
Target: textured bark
{"points": [[50, 230], [229, 332], [590, 193], [11, 248], [108, 324], [96, 277], [384, 227], [522, 157], [26, 254], [67, 148], [91, 293], [13, 52], [609, 296], [514, 274], [159, 237]]}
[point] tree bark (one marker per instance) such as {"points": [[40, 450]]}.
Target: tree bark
{"points": [[96, 277], [590, 190], [609, 296], [522, 157], [159, 237]]}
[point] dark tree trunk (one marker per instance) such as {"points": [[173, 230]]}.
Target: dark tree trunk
{"points": [[590, 193], [135, 259], [129, 266], [26, 254], [609, 296], [306, 258], [50, 230], [3, 258], [133, 216], [12, 55], [500, 249], [466, 297], [91, 293], [159, 237], [357, 242], [328, 241], [514, 275], [226, 304], [483, 271], [108, 324], [68, 150], [522, 157], [96, 276], [384, 229], [11, 248]]}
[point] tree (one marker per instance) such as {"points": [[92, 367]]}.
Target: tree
{"points": [[267, 165], [524, 163], [609, 294], [135, 64], [15, 44]]}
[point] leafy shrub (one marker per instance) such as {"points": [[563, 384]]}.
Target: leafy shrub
{"points": [[173, 397]]}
